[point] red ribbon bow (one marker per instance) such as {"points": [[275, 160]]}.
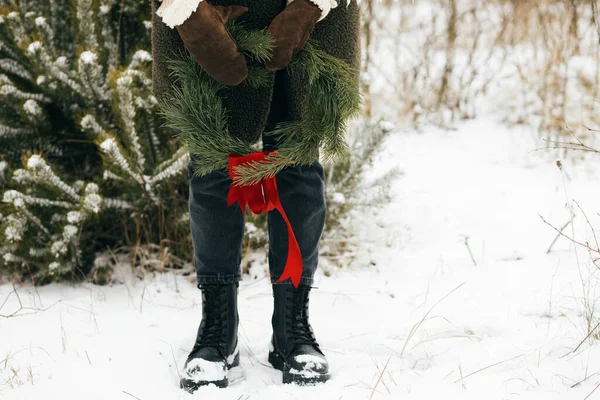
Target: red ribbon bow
{"points": [[263, 197]]}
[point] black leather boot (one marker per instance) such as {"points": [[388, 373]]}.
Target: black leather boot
{"points": [[216, 349], [295, 350]]}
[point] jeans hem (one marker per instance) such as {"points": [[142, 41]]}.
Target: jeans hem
{"points": [[305, 281], [219, 279]]}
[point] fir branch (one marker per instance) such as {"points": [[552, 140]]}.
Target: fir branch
{"points": [[155, 143], [90, 124], [12, 91], [9, 257], [46, 31], [127, 114], [258, 76], [117, 204], [140, 76], [16, 28], [56, 60], [9, 89], [108, 33], [195, 111], [253, 172], [15, 229], [6, 50], [35, 220], [255, 44], [178, 166], [8, 131], [85, 19], [115, 156], [10, 66], [19, 199], [139, 58], [90, 73], [38, 53], [181, 151], [93, 203], [109, 175], [42, 174], [33, 111]]}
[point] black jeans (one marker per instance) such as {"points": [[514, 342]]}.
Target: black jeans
{"points": [[218, 229]]}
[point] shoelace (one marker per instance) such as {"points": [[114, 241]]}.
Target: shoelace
{"points": [[299, 331], [214, 316]]}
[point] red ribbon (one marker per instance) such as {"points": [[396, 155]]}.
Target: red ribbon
{"points": [[263, 197]]}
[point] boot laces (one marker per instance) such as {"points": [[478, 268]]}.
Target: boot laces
{"points": [[215, 316], [299, 331]]}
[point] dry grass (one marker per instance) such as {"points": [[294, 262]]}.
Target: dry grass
{"points": [[537, 62]]}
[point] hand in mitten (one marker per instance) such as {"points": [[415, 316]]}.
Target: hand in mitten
{"points": [[291, 30], [205, 36]]}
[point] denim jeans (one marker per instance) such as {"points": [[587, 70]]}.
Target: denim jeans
{"points": [[218, 229]]}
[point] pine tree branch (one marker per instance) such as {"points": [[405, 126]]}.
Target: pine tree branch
{"points": [[195, 111]]}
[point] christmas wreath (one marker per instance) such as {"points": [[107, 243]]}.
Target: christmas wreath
{"points": [[194, 110]]}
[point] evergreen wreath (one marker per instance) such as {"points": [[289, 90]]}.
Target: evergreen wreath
{"points": [[194, 110]]}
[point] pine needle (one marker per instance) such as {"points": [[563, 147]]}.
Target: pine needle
{"points": [[195, 110]]}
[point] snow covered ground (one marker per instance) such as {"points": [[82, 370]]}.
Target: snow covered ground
{"points": [[421, 314]]}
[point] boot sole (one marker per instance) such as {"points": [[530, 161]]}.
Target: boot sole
{"points": [[191, 386], [279, 363]]}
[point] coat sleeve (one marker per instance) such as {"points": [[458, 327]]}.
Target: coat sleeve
{"points": [[175, 12], [324, 5]]}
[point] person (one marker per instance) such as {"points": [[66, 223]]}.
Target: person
{"points": [[217, 229]]}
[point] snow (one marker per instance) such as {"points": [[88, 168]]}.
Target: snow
{"points": [[231, 357], [125, 81], [305, 372], [142, 56], [12, 234], [58, 248], [201, 370], [10, 196], [35, 162], [311, 365], [40, 21], [61, 62], [74, 217], [92, 188], [31, 107], [338, 198], [108, 145], [88, 58], [453, 295], [69, 232], [34, 47], [93, 202], [315, 361]]}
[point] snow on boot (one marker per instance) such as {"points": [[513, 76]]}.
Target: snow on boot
{"points": [[216, 349], [294, 349]]}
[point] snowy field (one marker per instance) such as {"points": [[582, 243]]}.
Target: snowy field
{"points": [[420, 315]]}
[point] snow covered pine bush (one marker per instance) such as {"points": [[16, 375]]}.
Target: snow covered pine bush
{"points": [[84, 166], [78, 112], [351, 193]]}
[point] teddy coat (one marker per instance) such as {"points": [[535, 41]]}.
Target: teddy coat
{"points": [[247, 107]]}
